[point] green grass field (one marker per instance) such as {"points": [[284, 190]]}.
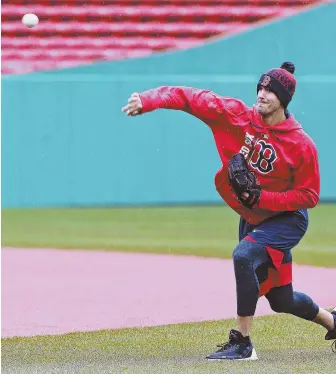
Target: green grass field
{"points": [[284, 344], [201, 231]]}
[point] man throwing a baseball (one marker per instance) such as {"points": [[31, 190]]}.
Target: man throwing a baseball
{"points": [[270, 177]]}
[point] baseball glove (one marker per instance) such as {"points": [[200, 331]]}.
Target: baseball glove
{"points": [[243, 181]]}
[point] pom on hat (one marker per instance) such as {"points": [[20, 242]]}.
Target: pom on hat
{"points": [[289, 66]]}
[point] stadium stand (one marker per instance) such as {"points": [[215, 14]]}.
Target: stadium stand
{"points": [[76, 32]]}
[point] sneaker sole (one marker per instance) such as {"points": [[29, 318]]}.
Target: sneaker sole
{"points": [[253, 357]]}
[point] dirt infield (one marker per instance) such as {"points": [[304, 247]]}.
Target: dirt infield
{"points": [[47, 291]]}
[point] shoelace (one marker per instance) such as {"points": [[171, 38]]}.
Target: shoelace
{"points": [[226, 346], [333, 346], [223, 346]]}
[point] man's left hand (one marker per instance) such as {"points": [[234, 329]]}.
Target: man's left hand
{"points": [[243, 181]]}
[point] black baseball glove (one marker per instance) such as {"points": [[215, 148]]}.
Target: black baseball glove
{"points": [[243, 181]]}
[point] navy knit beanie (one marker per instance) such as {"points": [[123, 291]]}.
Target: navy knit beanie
{"points": [[280, 81]]}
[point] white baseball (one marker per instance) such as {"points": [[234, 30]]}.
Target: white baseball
{"points": [[30, 20]]}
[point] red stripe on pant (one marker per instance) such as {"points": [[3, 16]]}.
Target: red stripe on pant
{"points": [[280, 276]]}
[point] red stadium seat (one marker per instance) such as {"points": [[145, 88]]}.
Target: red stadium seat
{"points": [[130, 29], [162, 2], [55, 43], [145, 13], [75, 32]]}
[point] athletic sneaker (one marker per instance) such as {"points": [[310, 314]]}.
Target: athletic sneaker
{"points": [[332, 334], [237, 348]]}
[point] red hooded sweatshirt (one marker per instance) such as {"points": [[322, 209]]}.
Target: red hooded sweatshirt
{"points": [[283, 157]]}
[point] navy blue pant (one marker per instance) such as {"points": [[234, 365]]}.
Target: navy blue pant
{"points": [[263, 265]]}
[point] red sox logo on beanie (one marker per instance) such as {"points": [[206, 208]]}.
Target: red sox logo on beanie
{"points": [[266, 81], [281, 81]]}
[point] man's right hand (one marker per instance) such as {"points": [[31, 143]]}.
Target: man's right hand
{"points": [[134, 106]]}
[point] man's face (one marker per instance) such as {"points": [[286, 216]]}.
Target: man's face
{"points": [[267, 102]]}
